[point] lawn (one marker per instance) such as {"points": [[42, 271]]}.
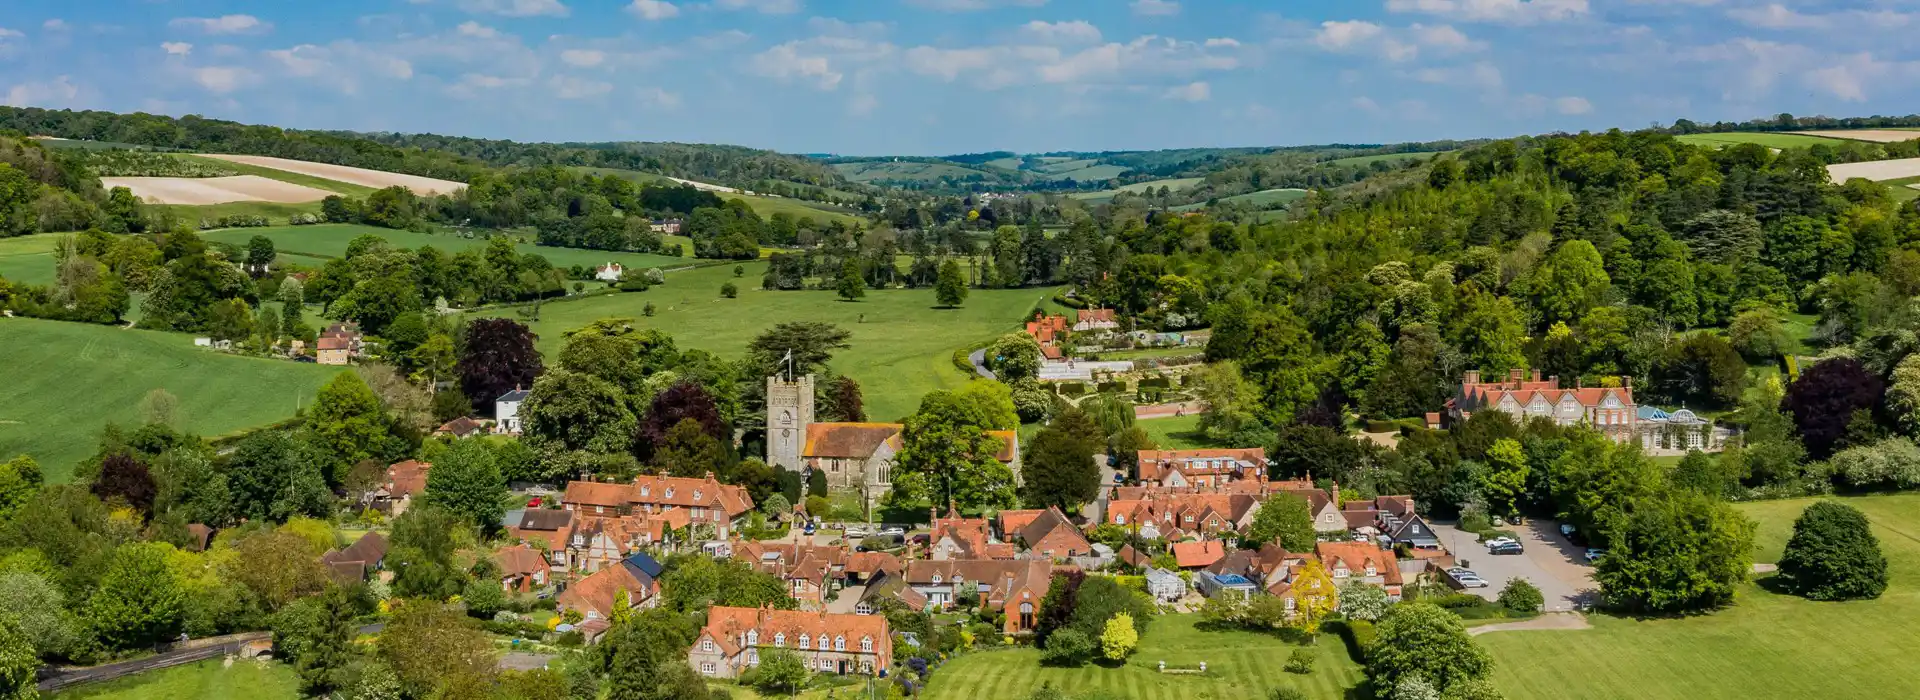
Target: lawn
{"points": [[207, 680], [1766, 645], [902, 347], [1240, 666], [1768, 139], [68, 380], [330, 240], [1178, 433], [29, 258]]}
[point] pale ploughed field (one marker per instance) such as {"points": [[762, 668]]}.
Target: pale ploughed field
{"points": [[1874, 135], [1877, 171], [340, 173], [215, 190]]}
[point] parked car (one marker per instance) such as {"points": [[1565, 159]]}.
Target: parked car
{"points": [[1508, 547], [1567, 530], [809, 528], [893, 531], [1460, 571], [1500, 541], [1593, 555], [1471, 581], [856, 532]]}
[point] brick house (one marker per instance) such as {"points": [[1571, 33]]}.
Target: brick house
{"points": [[705, 501], [1363, 561], [521, 568], [1014, 587], [404, 480], [810, 572], [1524, 396], [1202, 468], [958, 537], [1050, 535], [840, 644], [632, 583]]}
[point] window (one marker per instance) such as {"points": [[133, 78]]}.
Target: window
{"points": [[1189, 518], [645, 491], [866, 644], [706, 668], [599, 509], [753, 657], [866, 666], [863, 608], [936, 579], [696, 495], [780, 639], [1119, 520], [803, 641], [706, 645], [839, 643], [669, 492], [753, 637]]}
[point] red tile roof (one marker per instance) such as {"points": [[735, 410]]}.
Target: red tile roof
{"points": [[599, 592], [728, 626], [1191, 555], [849, 440], [1355, 556], [597, 493], [519, 560], [407, 478]]}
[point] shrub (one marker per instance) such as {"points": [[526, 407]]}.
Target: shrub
{"points": [[1119, 639], [1833, 555], [1067, 647], [1359, 636], [1300, 661], [729, 290], [1456, 600], [1522, 596], [1071, 388], [1156, 383], [1112, 387]]}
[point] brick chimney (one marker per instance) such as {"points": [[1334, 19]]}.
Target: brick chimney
{"points": [[1536, 375], [1473, 377]]}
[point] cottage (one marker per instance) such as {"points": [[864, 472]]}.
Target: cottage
{"points": [[1174, 515], [810, 572], [352, 564], [521, 568], [506, 412], [625, 585], [1090, 320], [1014, 587], [841, 644], [1049, 535], [705, 501], [1362, 561], [553, 529], [459, 428], [404, 480], [1181, 469], [958, 537], [1198, 555]]}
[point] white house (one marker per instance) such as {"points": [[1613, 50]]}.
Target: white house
{"points": [[506, 412], [609, 272]]}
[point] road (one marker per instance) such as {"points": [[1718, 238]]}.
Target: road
{"points": [[1551, 563], [979, 360]]}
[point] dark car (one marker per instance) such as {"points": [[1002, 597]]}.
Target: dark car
{"points": [[1507, 548], [303, 358]]}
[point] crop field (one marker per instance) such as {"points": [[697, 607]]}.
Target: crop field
{"points": [[902, 347], [1090, 173], [215, 190], [68, 380], [28, 258], [1766, 645], [1382, 158], [376, 179], [766, 207], [1874, 135], [1770, 139], [1004, 163], [330, 241], [1240, 666], [318, 183], [208, 680]]}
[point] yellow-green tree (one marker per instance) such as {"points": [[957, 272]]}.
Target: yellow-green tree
{"points": [[1314, 597], [1504, 482], [1119, 639]]}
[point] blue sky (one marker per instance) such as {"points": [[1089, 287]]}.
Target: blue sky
{"points": [[873, 77]]}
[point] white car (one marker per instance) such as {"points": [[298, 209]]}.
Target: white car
{"points": [[1471, 581], [1497, 541], [893, 531], [1593, 555], [1458, 571]]}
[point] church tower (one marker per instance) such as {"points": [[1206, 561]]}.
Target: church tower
{"points": [[789, 412]]}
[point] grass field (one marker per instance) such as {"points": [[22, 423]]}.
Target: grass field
{"points": [[1765, 646], [902, 347], [207, 680], [1384, 157], [330, 240], [68, 380], [1172, 185], [869, 171], [1180, 433], [764, 206], [1768, 139], [28, 259], [1240, 666], [1263, 198], [1090, 173]]}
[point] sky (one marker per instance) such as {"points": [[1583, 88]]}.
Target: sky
{"points": [[937, 77]]}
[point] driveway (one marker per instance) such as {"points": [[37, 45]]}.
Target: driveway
{"points": [[1550, 562]]}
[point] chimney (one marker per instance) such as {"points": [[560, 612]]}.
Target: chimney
{"points": [[1627, 381], [1536, 375], [1516, 375], [1579, 383], [1555, 380], [1336, 495], [1473, 377]]}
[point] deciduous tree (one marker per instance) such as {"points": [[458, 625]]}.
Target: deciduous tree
{"points": [[1676, 553], [498, 356], [951, 289], [466, 481], [1823, 401], [139, 600], [1284, 518], [1422, 640], [1833, 555]]}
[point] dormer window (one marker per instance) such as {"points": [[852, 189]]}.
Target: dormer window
{"points": [[696, 495], [803, 641], [1119, 520], [645, 491], [669, 492], [823, 642], [780, 639], [866, 644], [753, 637], [839, 643], [936, 579]]}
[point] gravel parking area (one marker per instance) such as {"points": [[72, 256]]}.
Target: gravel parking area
{"points": [[1550, 562]]}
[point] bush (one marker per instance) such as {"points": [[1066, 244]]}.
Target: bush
{"points": [[729, 291], [1071, 388], [1833, 555], [1113, 387], [1069, 302], [1156, 383], [1456, 600], [1358, 635], [1067, 648], [1300, 661], [1381, 426], [1522, 596]]}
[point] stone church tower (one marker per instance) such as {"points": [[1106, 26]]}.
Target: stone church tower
{"points": [[789, 412]]}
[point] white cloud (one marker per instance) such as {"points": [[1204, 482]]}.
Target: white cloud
{"points": [[765, 7], [1483, 75], [1197, 91], [1573, 105], [656, 97], [55, 25], [1776, 16], [1497, 11], [9, 33], [1155, 8], [1779, 17], [476, 30], [176, 48], [972, 5], [221, 79], [822, 60], [569, 87], [583, 58], [1076, 31], [1444, 37], [343, 65], [652, 9], [1222, 42], [722, 40], [226, 24], [58, 92], [516, 8], [1335, 36], [1848, 77]]}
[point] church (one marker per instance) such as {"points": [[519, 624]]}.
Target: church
{"points": [[856, 457]]}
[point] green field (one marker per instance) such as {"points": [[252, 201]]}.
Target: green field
{"points": [[1090, 173], [902, 347], [764, 206], [1172, 184], [899, 171], [28, 258], [68, 380], [1240, 666], [1263, 198], [1768, 139], [1009, 163], [207, 680], [1384, 157], [1179, 433], [1765, 646], [330, 240]]}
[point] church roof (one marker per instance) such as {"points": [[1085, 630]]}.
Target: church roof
{"points": [[849, 440]]}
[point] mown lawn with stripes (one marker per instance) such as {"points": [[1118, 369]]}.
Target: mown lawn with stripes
{"points": [[1765, 646], [1240, 666]]}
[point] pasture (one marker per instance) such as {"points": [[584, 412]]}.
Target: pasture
{"points": [[1770, 139], [1873, 135], [1766, 645], [1394, 158], [330, 241], [68, 380], [1240, 666], [902, 347], [29, 258], [265, 679], [904, 171], [1090, 173], [1261, 199], [1172, 184]]}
